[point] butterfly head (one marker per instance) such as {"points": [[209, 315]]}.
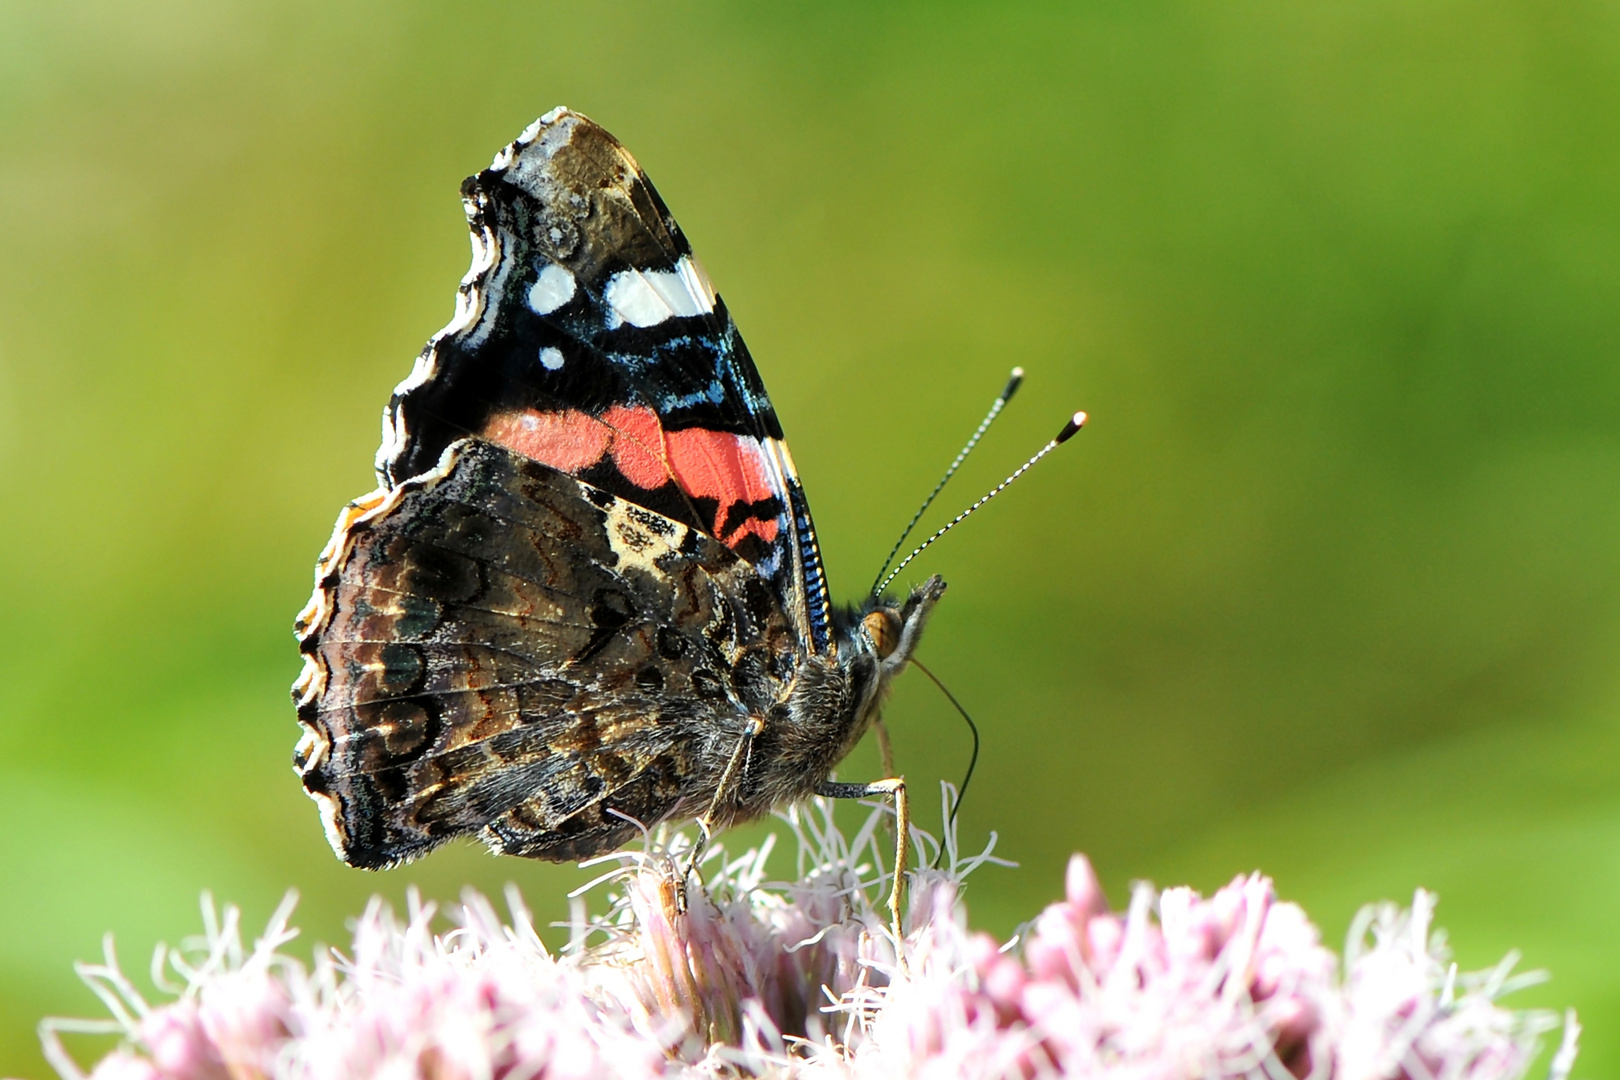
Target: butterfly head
{"points": [[888, 632]]}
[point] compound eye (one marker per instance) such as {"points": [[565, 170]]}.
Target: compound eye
{"points": [[883, 627]]}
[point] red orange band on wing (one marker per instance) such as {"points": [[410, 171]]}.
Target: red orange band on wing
{"points": [[706, 464], [568, 441]]}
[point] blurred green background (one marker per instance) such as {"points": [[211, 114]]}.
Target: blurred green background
{"points": [[1329, 586]]}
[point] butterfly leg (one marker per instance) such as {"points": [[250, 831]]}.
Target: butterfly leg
{"points": [[894, 787], [722, 792], [698, 848]]}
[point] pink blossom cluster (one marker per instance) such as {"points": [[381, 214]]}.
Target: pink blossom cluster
{"points": [[1177, 986], [802, 979]]}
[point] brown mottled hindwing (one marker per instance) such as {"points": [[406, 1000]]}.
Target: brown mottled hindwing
{"points": [[498, 648]]}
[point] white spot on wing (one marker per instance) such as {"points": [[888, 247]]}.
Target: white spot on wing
{"points": [[683, 289], [551, 359], [551, 290], [631, 299], [648, 297]]}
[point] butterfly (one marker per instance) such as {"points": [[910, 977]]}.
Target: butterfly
{"points": [[586, 595]]}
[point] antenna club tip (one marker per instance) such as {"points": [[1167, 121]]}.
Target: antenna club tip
{"points": [[1076, 422], [1013, 382]]}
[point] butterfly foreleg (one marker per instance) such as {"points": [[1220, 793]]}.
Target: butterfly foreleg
{"points": [[722, 792], [895, 788]]}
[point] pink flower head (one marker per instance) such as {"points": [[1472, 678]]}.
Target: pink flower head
{"points": [[801, 979]]}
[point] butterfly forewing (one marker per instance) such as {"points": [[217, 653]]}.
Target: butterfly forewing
{"points": [[588, 338]]}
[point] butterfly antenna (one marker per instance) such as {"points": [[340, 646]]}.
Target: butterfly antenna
{"points": [[961, 792], [1013, 382], [1076, 422]]}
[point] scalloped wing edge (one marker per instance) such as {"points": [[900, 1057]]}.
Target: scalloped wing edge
{"points": [[313, 747]]}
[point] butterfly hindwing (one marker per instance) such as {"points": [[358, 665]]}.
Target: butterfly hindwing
{"points": [[501, 649], [588, 338]]}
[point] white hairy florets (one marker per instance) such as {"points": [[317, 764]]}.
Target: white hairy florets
{"points": [[800, 979]]}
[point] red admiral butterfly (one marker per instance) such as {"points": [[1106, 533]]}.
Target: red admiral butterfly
{"points": [[586, 592]]}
